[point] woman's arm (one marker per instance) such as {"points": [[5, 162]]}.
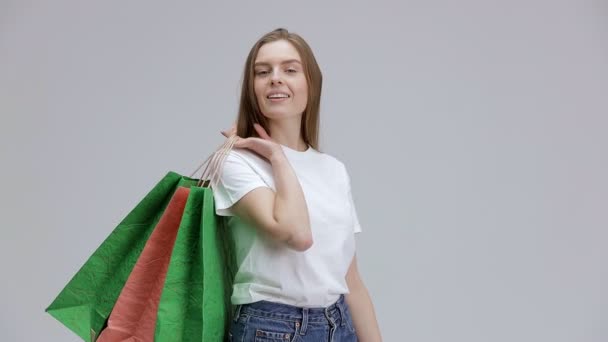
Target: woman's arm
{"points": [[282, 215], [361, 307]]}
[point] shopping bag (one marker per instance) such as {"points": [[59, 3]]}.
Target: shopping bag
{"points": [[195, 300], [195, 303], [134, 314], [85, 303]]}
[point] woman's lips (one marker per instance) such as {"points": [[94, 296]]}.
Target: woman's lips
{"points": [[279, 99]]}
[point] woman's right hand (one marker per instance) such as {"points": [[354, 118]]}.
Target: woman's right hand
{"points": [[264, 146]]}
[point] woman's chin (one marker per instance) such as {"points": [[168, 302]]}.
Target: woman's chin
{"points": [[276, 114]]}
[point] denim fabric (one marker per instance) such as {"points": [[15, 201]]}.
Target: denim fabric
{"points": [[265, 321]]}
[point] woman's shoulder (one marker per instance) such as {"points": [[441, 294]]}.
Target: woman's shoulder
{"points": [[331, 160], [240, 161], [246, 157], [243, 155]]}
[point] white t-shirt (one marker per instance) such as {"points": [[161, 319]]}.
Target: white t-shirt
{"points": [[270, 270]]}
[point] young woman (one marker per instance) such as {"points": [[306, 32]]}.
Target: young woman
{"points": [[292, 215]]}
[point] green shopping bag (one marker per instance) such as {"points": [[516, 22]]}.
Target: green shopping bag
{"points": [[133, 317], [195, 298], [195, 301], [85, 303]]}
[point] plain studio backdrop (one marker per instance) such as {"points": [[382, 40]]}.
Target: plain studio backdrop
{"points": [[475, 133]]}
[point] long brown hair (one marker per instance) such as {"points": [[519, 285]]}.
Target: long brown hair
{"points": [[249, 110]]}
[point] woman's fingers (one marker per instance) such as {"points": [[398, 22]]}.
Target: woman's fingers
{"points": [[241, 143], [229, 132], [261, 131]]}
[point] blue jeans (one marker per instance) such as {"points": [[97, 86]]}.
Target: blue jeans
{"points": [[265, 321]]}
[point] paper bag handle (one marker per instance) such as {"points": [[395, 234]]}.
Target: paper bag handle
{"points": [[215, 163]]}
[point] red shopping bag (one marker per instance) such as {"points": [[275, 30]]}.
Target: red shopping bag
{"points": [[133, 318]]}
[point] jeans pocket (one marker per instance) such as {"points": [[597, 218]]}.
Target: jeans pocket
{"points": [[272, 336], [272, 330]]}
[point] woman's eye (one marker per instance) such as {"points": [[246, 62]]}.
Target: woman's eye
{"points": [[265, 72]]}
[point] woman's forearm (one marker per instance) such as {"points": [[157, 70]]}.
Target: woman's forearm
{"points": [[290, 210], [363, 314]]}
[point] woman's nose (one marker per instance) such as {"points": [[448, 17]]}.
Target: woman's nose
{"points": [[275, 77]]}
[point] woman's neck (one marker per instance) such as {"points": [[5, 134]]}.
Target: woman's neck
{"points": [[287, 133]]}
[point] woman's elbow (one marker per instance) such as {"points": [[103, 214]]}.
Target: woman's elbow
{"points": [[300, 241]]}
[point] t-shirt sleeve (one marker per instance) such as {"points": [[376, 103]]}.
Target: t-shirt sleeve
{"points": [[353, 210], [237, 178]]}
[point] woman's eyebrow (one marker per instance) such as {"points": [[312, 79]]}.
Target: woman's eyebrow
{"points": [[283, 62]]}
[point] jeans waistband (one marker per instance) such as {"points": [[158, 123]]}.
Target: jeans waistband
{"points": [[288, 312]]}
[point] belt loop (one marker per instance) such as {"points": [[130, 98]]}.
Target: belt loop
{"points": [[340, 304], [304, 321], [237, 312]]}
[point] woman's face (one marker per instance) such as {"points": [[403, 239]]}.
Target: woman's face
{"points": [[279, 81]]}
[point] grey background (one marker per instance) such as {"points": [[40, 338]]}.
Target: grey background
{"points": [[474, 133]]}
